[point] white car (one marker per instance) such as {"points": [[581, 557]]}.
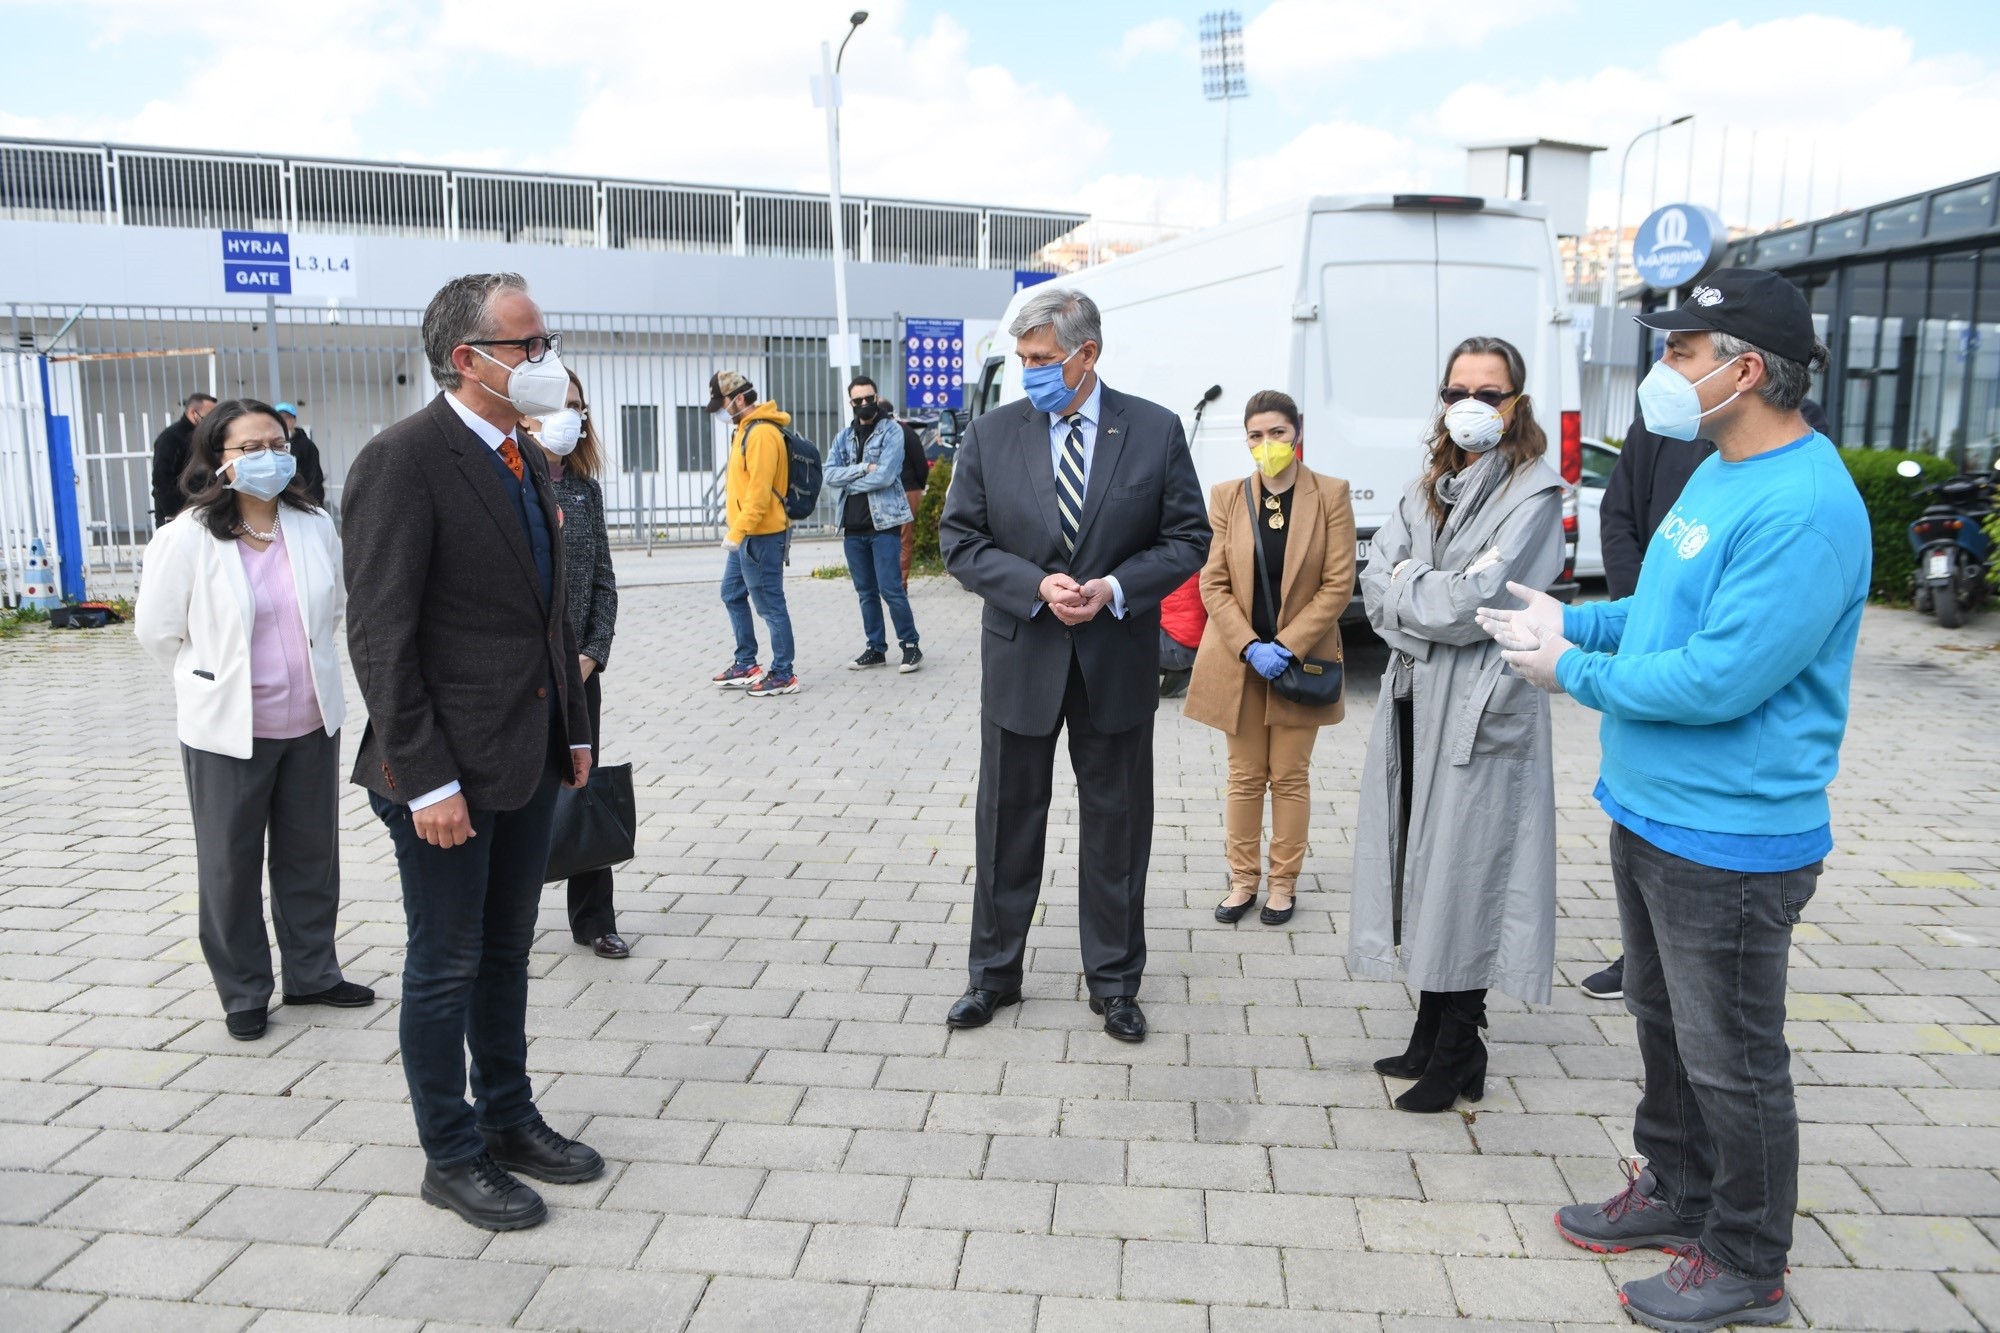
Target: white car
{"points": [[1598, 458]]}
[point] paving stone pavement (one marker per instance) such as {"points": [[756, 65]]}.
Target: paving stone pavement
{"points": [[795, 1140]]}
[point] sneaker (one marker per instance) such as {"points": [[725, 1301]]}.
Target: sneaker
{"points": [[1631, 1219], [737, 677], [913, 657], [868, 658], [1608, 984], [768, 685], [1696, 1295]]}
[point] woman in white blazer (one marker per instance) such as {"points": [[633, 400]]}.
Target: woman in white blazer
{"points": [[239, 599]]}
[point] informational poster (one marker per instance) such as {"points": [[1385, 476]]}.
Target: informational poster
{"points": [[933, 364]]}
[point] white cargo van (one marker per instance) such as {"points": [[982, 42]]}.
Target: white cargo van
{"points": [[1348, 303]]}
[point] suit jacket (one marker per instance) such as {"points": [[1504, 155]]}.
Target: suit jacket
{"points": [[453, 647], [1313, 589], [172, 448], [1001, 534]]}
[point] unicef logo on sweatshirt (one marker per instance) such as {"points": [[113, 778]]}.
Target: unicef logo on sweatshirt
{"points": [[1686, 538]]}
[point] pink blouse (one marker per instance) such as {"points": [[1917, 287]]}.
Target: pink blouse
{"points": [[283, 704]]}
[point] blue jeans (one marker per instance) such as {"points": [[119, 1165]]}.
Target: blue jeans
{"points": [[1705, 958], [754, 574], [875, 563], [470, 911]]}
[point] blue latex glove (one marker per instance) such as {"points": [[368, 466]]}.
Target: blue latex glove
{"points": [[1268, 660]]}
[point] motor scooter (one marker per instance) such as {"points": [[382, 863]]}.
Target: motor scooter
{"points": [[1951, 544]]}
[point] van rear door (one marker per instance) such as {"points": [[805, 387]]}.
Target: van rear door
{"points": [[1371, 365]]}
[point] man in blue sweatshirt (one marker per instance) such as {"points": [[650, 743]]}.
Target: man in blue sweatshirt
{"points": [[1723, 682]]}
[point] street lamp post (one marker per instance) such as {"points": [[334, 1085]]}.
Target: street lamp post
{"points": [[843, 355], [1610, 295]]}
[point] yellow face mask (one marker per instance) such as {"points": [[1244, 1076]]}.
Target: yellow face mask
{"points": [[1274, 456]]}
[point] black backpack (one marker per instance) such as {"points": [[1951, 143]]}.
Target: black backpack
{"points": [[803, 472]]}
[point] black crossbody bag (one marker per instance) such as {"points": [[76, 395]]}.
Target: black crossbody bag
{"points": [[1308, 681]]}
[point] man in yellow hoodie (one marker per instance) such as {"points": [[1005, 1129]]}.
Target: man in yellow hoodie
{"points": [[753, 574]]}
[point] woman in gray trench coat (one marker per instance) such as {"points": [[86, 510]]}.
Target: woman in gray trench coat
{"points": [[1454, 855]]}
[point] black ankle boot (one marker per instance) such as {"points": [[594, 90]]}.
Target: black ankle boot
{"points": [[1458, 1061], [1414, 1060]]}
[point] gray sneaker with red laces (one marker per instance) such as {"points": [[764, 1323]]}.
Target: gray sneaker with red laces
{"points": [[1631, 1219], [1697, 1295]]}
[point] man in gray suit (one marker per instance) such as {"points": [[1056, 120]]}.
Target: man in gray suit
{"points": [[1072, 512]]}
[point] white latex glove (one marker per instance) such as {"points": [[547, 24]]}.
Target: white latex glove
{"points": [[1536, 662], [1484, 562], [1538, 621]]}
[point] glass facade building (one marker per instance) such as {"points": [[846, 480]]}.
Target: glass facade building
{"points": [[1907, 296]]}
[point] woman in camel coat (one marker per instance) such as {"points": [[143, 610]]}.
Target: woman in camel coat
{"points": [[1306, 526]]}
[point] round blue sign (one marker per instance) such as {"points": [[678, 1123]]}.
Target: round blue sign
{"points": [[1679, 244]]}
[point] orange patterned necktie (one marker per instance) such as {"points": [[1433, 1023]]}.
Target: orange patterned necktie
{"points": [[511, 456]]}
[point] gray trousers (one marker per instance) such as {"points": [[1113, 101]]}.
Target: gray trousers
{"points": [[291, 790]]}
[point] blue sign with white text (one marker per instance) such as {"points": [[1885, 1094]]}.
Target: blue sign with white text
{"points": [[1678, 244], [257, 261], [933, 364]]}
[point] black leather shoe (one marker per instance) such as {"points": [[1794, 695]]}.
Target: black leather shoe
{"points": [[341, 995], [1229, 913], [975, 1008], [610, 946], [483, 1194], [536, 1150], [1271, 916], [1123, 1018], [247, 1024]]}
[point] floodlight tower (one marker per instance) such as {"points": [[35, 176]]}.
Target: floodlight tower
{"points": [[1222, 75]]}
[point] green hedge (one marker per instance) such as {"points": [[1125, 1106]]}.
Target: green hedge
{"points": [[925, 557], [1892, 507]]}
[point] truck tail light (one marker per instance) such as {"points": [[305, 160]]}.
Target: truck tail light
{"points": [[1572, 447]]}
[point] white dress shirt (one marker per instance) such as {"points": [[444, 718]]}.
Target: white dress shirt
{"points": [[1088, 416], [492, 437]]}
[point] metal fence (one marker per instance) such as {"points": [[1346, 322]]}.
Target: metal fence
{"points": [[118, 374], [51, 181]]}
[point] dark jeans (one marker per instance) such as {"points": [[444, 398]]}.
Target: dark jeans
{"points": [[874, 562], [1705, 957], [590, 911], [470, 911], [754, 575]]}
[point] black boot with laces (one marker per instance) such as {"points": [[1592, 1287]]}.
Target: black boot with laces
{"points": [[483, 1194]]}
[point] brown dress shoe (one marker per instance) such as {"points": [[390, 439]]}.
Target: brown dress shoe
{"points": [[610, 946]]}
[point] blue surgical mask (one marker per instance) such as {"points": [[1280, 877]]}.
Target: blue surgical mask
{"points": [[264, 474], [1669, 404], [1045, 386]]}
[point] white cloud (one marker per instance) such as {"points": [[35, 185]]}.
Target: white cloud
{"points": [[1290, 38], [1165, 36], [1832, 104]]}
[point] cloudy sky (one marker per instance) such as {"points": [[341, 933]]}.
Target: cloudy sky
{"points": [[1044, 102]]}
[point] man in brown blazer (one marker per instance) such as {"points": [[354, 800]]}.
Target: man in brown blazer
{"points": [[464, 653]]}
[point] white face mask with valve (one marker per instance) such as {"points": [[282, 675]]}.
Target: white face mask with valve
{"points": [[535, 388]]}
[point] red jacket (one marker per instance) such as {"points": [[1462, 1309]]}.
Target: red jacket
{"points": [[1183, 616]]}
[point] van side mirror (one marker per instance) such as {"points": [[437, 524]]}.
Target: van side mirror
{"points": [[1910, 469]]}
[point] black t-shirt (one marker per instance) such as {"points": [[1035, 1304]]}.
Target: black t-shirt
{"points": [[1263, 616]]}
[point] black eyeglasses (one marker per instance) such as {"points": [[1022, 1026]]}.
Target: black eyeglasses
{"points": [[866, 401], [536, 347], [1490, 397]]}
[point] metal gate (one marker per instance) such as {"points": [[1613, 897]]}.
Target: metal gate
{"points": [[118, 375]]}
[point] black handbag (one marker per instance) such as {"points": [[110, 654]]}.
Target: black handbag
{"points": [[1307, 681], [594, 824]]}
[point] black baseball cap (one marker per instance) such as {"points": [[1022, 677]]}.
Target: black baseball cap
{"points": [[1759, 307]]}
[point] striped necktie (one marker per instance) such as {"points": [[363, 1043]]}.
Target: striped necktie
{"points": [[1069, 482]]}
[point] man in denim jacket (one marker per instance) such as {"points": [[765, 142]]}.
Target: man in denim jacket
{"points": [[865, 466]]}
